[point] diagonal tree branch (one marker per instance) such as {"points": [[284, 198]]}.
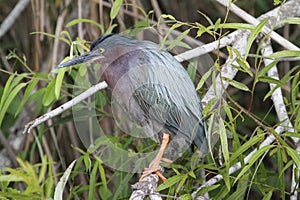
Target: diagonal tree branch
{"points": [[281, 111], [92, 90], [266, 30], [13, 15], [287, 10]]}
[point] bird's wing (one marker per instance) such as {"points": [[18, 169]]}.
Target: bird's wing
{"points": [[166, 94]]}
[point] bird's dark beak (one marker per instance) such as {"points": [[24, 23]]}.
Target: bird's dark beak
{"points": [[84, 58]]}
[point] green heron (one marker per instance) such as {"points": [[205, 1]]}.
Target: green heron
{"points": [[154, 88]]}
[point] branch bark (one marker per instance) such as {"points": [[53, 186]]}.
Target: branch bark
{"points": [[281, 111], [64, 107], [13, 15], [146, 187]]}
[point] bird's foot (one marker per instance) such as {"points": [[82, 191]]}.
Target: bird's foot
{"points": [[154, 165], [153, 169]]}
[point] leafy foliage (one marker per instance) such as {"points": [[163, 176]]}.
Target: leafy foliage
{"points": [[236, 126]]}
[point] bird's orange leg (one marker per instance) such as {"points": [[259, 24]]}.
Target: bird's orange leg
{"points": [[153, 167]]}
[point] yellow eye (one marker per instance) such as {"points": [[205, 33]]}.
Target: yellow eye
{"points": [[101, 50]]}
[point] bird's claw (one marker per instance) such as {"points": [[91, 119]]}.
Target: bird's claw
{"points": [[149, 171]]}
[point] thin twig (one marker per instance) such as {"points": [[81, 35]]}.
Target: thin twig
{"points": [[92, 90]]}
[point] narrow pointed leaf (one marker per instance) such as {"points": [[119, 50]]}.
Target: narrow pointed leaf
{"points": [[294, 155], [9, 99], [254, 35], [236, 84], [49, 96], [285, 53], [26, 96], [58, 82], [59, 189], [203, 79], [115, 9], [257, 155], [171, 181]]}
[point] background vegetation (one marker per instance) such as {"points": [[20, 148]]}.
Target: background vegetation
{"points": [[42, 36]]}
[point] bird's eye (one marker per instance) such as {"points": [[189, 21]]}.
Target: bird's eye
{"points": [[101, 50]]}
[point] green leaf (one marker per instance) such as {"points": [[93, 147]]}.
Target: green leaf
{"points": [[236, 84], [185, 197], [110, 29], [92, 183], [203, 79], [208, 107], [242, 26], [268, 196], [254, 35], [267, 79], [207, 189], [17, 80], [53, 36], [230, 51], [178, 42], [58, 82], [165, 16], [27, 93], [217, 24], [292, 20], [83, 20], [281, 178], [225, 152], [246, 146], [115, 9], [43, 169], [294, 90], [267, 68], [192, 69], [206, 17], [103, 176], [245, 67], [9, 99], [49, 96], [223, 138], [240, 192], [173, 27], [171, 181], [87, 162], [253, 159], [181, 183], [294, 155], [285, 53], [201, 29], [11, 178], [284, 79], [6, 90], [49, 183]]}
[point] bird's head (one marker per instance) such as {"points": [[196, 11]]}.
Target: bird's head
{"points": [[95, 54]]}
